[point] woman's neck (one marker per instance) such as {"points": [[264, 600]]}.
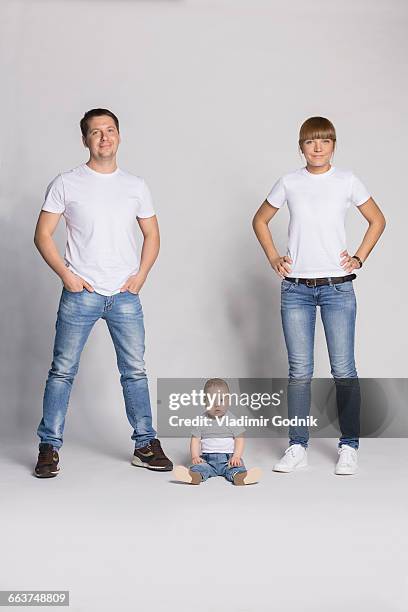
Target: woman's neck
{"points": [[318, 169]]}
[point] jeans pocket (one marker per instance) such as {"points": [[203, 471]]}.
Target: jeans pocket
{"points": [[346, 287], [287, 285], [73, 292]]}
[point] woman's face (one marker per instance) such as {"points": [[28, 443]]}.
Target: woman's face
{"points": [[318, 152]]}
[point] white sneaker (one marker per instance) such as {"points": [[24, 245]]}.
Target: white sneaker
{"points": [[347, 461], [294, 457]]}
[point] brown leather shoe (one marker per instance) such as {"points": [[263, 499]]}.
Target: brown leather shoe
{"points": [[152, 457], [47, 464]]}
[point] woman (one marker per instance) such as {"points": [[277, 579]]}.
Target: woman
{"points": [[318, 271]]}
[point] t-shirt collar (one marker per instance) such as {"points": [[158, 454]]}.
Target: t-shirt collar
{"points": [[101, 174], [306, 172]]}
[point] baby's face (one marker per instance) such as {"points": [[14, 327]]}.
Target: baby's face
{"points": [[217, 411], [219, 404]]}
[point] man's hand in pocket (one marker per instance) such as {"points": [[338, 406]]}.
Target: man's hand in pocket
{"points": [[74, 283]]}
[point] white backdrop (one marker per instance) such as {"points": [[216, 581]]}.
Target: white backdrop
{"points": [[210, 96]]}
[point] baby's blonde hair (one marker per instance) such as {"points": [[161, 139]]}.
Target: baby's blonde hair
{"points": [[213, 383]]}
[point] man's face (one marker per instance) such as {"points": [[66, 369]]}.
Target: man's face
{"points": [[102, 138], [318, 152]]}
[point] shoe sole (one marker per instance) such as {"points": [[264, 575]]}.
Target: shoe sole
{"points": [[50, 475], [252, 476], [183, 474], [287, 471], [139, 463], [338, 473]]}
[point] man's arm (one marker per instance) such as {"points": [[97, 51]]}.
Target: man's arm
{"points": [[43, 240], [150, 251]]}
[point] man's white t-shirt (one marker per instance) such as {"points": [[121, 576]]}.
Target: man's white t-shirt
{"points": [[100, 212], [317, 205]]}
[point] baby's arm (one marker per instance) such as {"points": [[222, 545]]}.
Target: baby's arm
{"points": [[239, 443], [195, 447]]}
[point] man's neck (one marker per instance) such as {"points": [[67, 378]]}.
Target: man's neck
{"points": [[104, 167]]}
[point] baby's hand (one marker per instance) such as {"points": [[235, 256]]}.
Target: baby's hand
{"points": [[235, 461], [196, 460]]}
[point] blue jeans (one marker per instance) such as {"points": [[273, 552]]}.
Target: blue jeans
{"points": [[216, 464], [338, 312], [77, 314]]}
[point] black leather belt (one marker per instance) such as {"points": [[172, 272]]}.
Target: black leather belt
{"points": [[317, 282]]}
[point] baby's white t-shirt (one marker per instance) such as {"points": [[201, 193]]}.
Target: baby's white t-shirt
{"points": [[317, 206], [100, 212]]}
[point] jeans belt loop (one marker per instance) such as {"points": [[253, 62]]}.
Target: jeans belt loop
{"points": [[311, 282], [330, 281]]}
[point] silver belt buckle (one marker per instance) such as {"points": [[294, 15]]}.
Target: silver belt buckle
{"points": [[311, 282]]}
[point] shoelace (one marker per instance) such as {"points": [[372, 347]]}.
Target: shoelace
{"points": [[290, 450], [157, 449], [347, 456], [46, 455]]}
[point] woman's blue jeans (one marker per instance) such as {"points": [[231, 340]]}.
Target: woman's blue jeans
{"points": [[337, 304], [77, 314]]}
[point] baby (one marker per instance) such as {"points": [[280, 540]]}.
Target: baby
{"points": [[221, 444]]}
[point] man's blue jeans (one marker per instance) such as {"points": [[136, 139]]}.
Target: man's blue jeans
{"points": [[338, 312], [77, 314], [216, 464]]}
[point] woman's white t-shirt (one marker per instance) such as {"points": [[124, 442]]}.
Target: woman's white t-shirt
{"points": [[317, 205], [100, 212]]}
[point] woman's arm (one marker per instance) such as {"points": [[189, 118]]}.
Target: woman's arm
{"points": [[376, 224], [260, 224]]}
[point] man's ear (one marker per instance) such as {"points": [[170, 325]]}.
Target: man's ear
{"points": [[84, 142]]}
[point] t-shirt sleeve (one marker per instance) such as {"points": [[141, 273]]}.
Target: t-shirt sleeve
{"points": [[277, 195], [195, 432], [359, 192], [236, 430], [54, 196], [146, 202]]}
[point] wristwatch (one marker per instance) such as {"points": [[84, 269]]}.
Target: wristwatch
{"points": [[358, 259]]}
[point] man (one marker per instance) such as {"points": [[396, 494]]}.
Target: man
{"points": [[103, 206]]}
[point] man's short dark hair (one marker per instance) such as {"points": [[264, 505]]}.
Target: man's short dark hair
{"points": [[96, 112]]}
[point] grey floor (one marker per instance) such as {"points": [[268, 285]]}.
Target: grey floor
{"points": [[123, 538]]}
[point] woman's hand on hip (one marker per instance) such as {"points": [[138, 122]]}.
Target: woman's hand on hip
{"points": [[281, 265], [348, 263]]}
